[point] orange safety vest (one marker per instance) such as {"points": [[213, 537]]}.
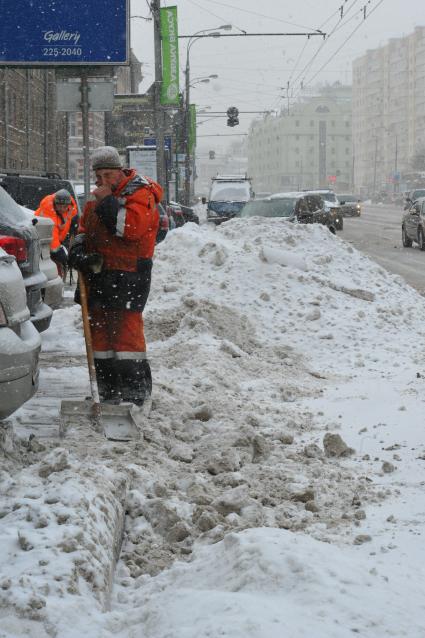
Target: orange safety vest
{"points": [[61, 223]]}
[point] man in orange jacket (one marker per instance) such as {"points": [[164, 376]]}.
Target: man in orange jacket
{"points": [[61, 208], [114, 249]]}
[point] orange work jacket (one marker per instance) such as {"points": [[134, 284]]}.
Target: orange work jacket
{"points": [[61, 222]]}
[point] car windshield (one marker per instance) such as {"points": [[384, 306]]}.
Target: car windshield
{"points": [[348, 198], [230, 191], [418, 193], [269, 208], [226, 207]]}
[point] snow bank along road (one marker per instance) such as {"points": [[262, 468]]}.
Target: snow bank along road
{"points": [[278, 487]]}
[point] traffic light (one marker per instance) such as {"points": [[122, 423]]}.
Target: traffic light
{"points": [[212, 154], [232, 114]]}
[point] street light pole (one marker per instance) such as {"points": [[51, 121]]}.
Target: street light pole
{"points": [[158, 111], [193, 38]]}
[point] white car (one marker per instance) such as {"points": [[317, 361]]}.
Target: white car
{"points": [[52, 292], [20, 342]]}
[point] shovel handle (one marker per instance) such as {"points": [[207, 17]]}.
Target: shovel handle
{"points": [[89, 345]]}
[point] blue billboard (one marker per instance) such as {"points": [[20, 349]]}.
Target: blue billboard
{"points": [[69, 32]]}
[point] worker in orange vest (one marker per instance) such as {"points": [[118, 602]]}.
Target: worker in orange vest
{"points": [[61, 208], [114, 249]]}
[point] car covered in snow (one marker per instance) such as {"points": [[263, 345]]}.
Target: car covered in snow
{"points": [[20, 342], [18, 237], [52, 292]]}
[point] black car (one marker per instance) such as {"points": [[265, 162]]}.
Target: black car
{"points": [[413, 225], [29, 190], [296, 207], [412, 196], [350, 205]]}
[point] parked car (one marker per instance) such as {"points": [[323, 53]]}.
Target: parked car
{"points": [[19, 238], [189, 214], [164, 224], [181, 214], [296, 207], [20, 342], [52, 292], [413, 225], [412, 196], [29, 190], [331, 204], [350, 205]]}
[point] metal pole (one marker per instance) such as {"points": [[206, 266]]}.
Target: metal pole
{"points": [[395, 165], [374, 166], [86, 140], [158, 111], [186, 133]]}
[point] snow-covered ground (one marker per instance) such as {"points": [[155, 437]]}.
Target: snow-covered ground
{"points": [[278, 487]]}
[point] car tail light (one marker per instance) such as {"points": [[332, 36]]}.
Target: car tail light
{"points": [[3, 320], [14, 246]]}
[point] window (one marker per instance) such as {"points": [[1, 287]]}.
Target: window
{"points": [[297, 122]]}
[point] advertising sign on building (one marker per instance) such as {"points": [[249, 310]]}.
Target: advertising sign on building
{"points": [[126, 124], [75, 32], [170, 57]]}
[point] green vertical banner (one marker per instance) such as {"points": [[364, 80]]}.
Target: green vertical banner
{"points": [[192, 127], [170, 56]]}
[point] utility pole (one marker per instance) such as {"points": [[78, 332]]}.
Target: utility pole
{"points": [[395, 164], [374, 166], [158, 110]]}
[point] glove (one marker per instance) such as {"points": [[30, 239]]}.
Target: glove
{"points": [[92, 262], [60, 256]]}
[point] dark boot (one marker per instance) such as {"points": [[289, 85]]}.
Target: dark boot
{"points": [[107, 379], [136, 380]]}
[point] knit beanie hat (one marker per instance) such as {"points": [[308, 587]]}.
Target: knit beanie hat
{"points": [[105, 157], [62, 197]]}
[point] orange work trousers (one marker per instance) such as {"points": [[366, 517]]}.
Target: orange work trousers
{"points": [[117, 334]]}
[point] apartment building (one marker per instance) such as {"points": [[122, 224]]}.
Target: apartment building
{"points": [[307, 147], [389, 113]]}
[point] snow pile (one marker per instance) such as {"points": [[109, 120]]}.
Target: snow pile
{"points": [[268, 342]]}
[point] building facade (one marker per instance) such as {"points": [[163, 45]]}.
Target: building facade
{"points": [[305, 148], [389, 113], [33, 135]]}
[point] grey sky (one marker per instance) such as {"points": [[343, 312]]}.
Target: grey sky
{"points": [[252, 70]]}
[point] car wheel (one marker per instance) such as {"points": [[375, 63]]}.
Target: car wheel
{"points": [[421, 239], [405, 239]]}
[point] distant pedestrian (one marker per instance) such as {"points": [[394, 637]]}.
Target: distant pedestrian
{"points": [[201, 210]]}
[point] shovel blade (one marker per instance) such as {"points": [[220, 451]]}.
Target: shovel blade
{"points": [[122, 422]]}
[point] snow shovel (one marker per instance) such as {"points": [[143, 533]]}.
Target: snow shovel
{"points": [[121, 422]]}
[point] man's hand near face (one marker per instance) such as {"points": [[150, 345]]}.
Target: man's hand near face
{"points": [[102, 191]]}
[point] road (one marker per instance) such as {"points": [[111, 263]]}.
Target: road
{"points": [[377, 233]]}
